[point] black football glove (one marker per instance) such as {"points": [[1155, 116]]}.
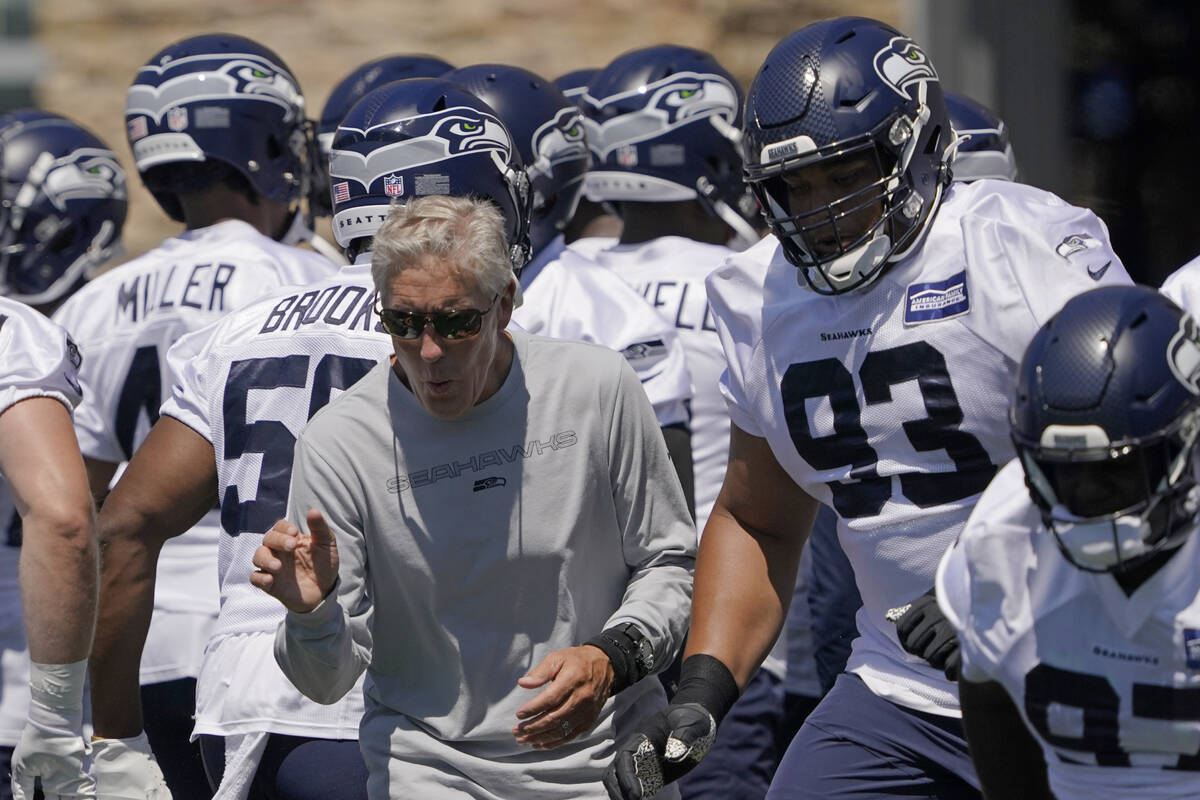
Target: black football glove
{"points": [[925, 632], [664, 747], [667, 744]]}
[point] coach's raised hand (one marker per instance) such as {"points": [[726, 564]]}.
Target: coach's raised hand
{"points": [[297, 569]]}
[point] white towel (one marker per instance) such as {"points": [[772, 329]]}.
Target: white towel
{"points": [[242, 753]]}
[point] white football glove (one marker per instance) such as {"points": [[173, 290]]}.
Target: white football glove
{"points": [[125, 769], [51, 745]]}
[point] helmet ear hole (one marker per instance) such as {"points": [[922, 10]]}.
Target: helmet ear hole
{"points": [[274, 150]]}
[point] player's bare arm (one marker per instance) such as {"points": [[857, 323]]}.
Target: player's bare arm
{"points": [[748, 557], [167, 488], [1008, 760], [39, 457]]}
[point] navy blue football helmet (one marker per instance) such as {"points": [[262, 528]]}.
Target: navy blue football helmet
{"points": [[350, 90], [64, 204], [574, 84], [983, 150], [223, 98], [854, 103], [548, 131], [423, 136], [1105, 419], [662, 124]]}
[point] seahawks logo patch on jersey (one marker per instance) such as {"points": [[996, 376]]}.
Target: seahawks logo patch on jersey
{"points": [[903, 63], [930, 302]]}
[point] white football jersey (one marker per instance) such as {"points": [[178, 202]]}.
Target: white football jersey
{"points": [[586, 247], [39, 360], [669, 273], [126, 320], [249, 384], [573, 298], [1105, 682], [1183, 286], [890, 403]]}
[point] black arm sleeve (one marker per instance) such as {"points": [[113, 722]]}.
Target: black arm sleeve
{"points": [[679, 446]]}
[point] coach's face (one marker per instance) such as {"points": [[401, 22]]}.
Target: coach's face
{"points": [[448, 367]]}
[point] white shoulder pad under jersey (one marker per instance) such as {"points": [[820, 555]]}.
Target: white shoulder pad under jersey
{"points": [[127, 318], [890, 403], [574, 298], [249, 385], [669, 273], [39, 358], [1107, 683], [1183, 286]]}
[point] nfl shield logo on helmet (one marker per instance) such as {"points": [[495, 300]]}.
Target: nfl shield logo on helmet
{"points": [[177, 118], [393, 185], [627, 155]]}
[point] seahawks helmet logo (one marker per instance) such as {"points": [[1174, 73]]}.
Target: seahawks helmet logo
{"points": [[1183, 354], [672, 102], [216, 77], [435, 137], [903, 63], [1076, 243], [558, 141], [89, 173]]}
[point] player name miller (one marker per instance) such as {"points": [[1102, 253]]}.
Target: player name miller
{"points": [[854, 334]]}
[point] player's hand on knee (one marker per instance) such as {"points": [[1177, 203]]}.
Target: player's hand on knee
{"points": [[295, 568], [663, 747], [924, 631], [125, 769]]}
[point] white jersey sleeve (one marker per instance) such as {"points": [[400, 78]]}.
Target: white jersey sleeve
{"points": [[574, 298], [40, 359], [1183, 286]]}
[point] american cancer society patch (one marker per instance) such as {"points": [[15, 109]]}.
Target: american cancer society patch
{"points": [[1191, 647], [929, 302]]}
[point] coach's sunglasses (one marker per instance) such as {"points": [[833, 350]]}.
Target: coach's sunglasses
{"points": [[448, 324]]}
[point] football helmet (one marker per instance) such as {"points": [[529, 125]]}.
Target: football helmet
{"points": [[223, 98], [548, 131], [574, 84], [350, 89], [1105, 420], [417, 137], [983, 150], [847, 142], [64, 204], [662, 124]]}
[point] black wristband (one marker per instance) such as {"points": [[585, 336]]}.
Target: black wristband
{"points": [[705, 680], [622, 652]]}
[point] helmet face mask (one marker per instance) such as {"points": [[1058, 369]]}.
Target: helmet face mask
{"points": [[836, 88], [64, 204], [1106, 427]]}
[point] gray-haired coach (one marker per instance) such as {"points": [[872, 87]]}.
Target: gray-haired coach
{"points": [[510, 548]]}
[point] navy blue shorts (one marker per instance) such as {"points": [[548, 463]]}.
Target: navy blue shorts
{"points": [[857, 745], [297, 768], [167, 708], [748, 746]]}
